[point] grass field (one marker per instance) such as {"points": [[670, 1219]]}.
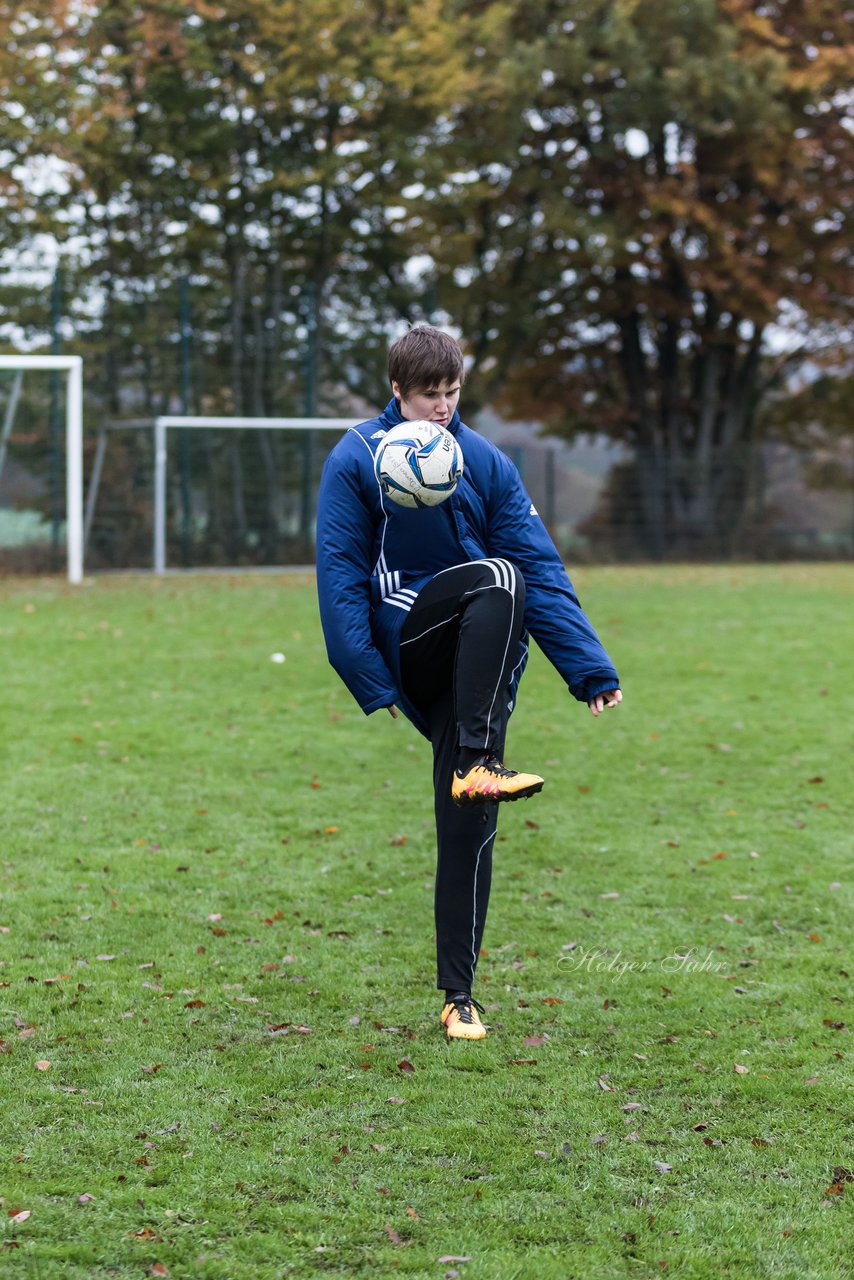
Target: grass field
{"points": [[220, 1051]]}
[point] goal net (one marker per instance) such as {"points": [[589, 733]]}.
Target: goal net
{"points": [[178, 492], [41, 474]]}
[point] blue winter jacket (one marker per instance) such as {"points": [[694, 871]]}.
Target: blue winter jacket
{"points": [[374, 556]]}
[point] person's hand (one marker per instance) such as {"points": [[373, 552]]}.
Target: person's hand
{"points": [[609, 698], [392, 712]]}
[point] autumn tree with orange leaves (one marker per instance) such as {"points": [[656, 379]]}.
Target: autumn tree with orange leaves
{"points": [[634, 210], [653, 230]]}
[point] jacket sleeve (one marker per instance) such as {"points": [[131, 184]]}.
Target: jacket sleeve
{"points": [[344, 539], [553, 614]]}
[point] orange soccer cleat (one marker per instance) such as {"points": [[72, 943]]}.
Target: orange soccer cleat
{"points": [[460, 1018], [488, 779]]}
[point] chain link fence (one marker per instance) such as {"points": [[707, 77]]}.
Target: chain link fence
{"points": [[247, 498]]}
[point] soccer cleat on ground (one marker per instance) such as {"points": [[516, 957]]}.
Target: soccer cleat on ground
{"points": [[460, 1019], [487, 779]]}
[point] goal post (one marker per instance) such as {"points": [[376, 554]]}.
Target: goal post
{"points": [[165, 423], [72, 367]]}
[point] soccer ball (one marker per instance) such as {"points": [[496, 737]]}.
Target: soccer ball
{"points": [[418, 464]]}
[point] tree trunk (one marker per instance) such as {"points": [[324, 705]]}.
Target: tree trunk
{"points": [[273, 506], [693, 452], [650, 450], [238, 303]]}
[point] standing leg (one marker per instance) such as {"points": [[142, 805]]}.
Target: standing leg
{"points": [[458, 649], [464, 838]]}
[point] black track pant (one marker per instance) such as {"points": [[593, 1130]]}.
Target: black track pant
{"points": [[458, 648]]}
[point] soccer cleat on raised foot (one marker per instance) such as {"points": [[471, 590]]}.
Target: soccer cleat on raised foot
{"points": [[488, 779], [460, 1018]]}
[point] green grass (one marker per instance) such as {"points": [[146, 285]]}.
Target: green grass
{"points": [[159, 769]]}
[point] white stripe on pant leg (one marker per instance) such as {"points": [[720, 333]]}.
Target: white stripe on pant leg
{"points": [[497, 567], [521, 663], [511, 574], [465, 564], [497, 572], [474, 905], [501, 567], [412, 639], [512, 591]]}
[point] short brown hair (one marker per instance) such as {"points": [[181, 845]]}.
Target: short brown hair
{"points": [[423, 358]]}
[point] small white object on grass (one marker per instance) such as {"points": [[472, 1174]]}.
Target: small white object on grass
{"points": [[277, 657]]}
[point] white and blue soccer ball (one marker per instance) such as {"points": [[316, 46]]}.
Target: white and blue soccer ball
{"points": [[418, 464]]}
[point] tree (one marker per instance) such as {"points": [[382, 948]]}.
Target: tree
{"points": [[649, 193], [258, 148], [28, 96], [630, 207]]}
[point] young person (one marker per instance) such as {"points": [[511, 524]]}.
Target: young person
{"points": [[429, 610]]}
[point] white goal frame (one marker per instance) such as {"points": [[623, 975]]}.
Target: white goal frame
{"points": [[72, 367], [163, 424]]}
